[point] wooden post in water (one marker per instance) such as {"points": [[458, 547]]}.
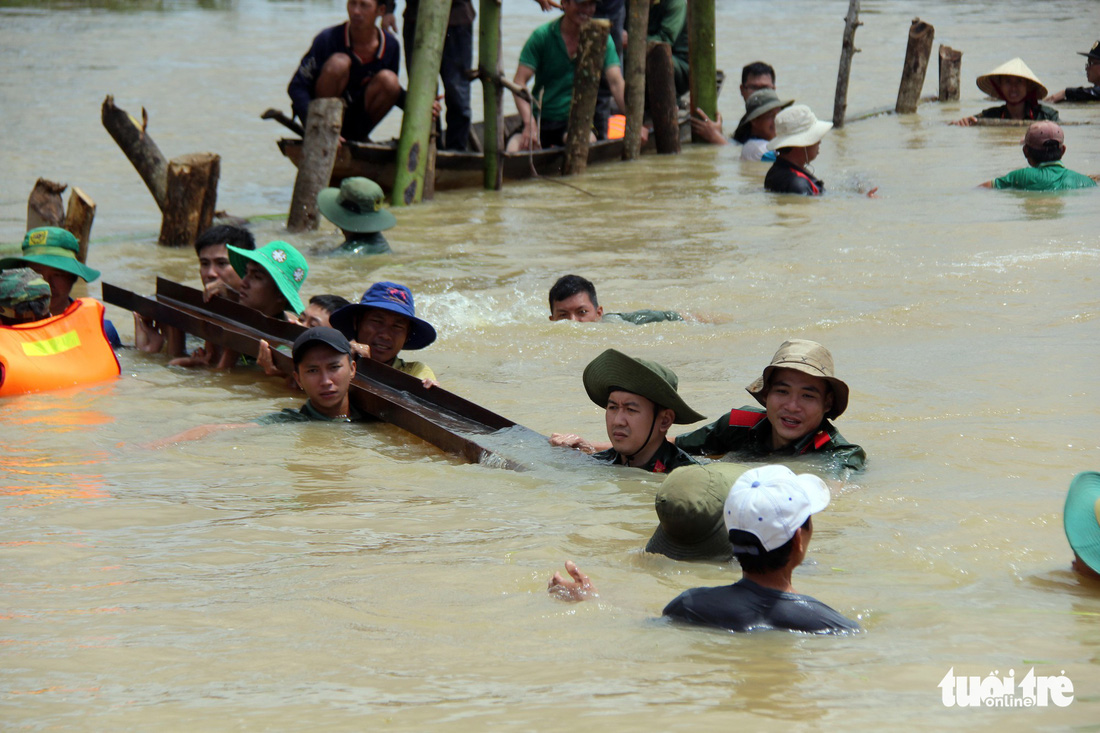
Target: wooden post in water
{"points": [[634, 70], [78, 219], [139, 148], [586, 83], [44, 205], [192, 196], [661, 89], [490, 71], [703, 59], [917, 53], [847, 50], [416, 124], [950, 64], [322, 139]]}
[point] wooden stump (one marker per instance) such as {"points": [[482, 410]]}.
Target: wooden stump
{"points": [[917, 53], [192, 194], [79, 218], [847, 50], [586, 83], [142, 152], [950, 64], [44, 206], [634, 71], [661, 90], [322, 139], [703, 57]]}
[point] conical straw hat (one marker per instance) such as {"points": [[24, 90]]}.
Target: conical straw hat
{"points": [[1015, 67]]}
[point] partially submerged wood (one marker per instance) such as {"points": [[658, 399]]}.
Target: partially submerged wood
{"points": [[950, 65], [139, 148], [634, 72], [44, 206], [917, 53], [703, 59], [79, 218], [661, 90], [490, 71], [586, 84], [191, 199], [323, 123], [441, 418], [416, 123], [847, 50]]}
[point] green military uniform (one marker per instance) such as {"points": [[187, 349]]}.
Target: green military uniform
{"points": [[308, 413], [746, 435], [642, 317], [1050, 176], [667, 458]]}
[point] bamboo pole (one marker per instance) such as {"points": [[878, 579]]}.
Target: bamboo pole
{"points": [[44, 206], [847, 50], [323, 122], [917, 53], [139, 148], [78, 219], [703, 58], [661, 89], [950, 64], [489, 69], [634, 70], [192, 197], [416, 124], [591, 48]]}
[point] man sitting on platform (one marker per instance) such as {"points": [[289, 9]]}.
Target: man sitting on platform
{"points": [[550, 57], [356, 61]]}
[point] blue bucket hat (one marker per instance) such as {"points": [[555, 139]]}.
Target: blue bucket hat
{"points": [[390, 297]]}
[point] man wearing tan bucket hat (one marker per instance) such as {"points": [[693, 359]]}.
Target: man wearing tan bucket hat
{"points": [[1021, 91], [800, 394]]}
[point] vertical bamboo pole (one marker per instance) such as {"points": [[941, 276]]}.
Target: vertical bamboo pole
{"points": [[490, 71], [917, 53], [637, 26], [586, 83], [703, 58], [847, 50], [950, 63], [322, 138], [416, 123]]}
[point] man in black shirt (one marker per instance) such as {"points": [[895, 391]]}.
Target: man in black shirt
{"points": [[797, 142], [1092, 71]]}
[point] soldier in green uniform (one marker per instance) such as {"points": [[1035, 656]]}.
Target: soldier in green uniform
{"points": [[24, 296], [573, 298], [356, 208]]}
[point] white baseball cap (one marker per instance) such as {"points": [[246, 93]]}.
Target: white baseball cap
{"points": [[771, 502]]}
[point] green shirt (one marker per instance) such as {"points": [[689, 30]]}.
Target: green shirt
{"points": [[642, 317], [307, 413], [545, 53], [1052, 176]]}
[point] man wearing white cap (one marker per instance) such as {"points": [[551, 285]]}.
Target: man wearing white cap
{"points": [[797, 142], [1044, 146], [768, 515]]}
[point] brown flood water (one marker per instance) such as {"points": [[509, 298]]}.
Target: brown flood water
{"points": [[307, 577]]}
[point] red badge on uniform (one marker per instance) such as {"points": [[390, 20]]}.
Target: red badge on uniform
{"points": [[658, 467]]}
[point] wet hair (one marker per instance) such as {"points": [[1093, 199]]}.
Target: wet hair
{"points": [[1051, 150], [569, 285], [752, 556], [239, 237], [757, 68], [331, 303]]}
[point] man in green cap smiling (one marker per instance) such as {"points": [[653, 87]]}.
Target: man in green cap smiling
{"points": [[52, 253], [641, 404], [356, 208]]}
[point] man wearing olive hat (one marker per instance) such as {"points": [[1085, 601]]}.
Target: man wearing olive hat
{"points": [[24, 296], [641, 404], [1081, 520], [383, 323], [1092, 71], [52, 253], [800, 394], [756, 127], [356, 208], [689, 508]]}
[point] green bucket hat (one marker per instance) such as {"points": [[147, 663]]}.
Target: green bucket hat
{"points": [[1081, 517], [286, 265], [21, 286], [613, 370], [759, 103], [690, 505], [356, 206], [52, 247]]}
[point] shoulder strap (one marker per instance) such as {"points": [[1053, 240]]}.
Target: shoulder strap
{"points": [[745, 418]]}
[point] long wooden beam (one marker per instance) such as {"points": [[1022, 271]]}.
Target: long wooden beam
{"points": [[442, 418]]}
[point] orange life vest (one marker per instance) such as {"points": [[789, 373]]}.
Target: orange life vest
{"points": [[58, 351]]}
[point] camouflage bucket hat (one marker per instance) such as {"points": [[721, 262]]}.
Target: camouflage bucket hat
{"points": [[356, 206], [22, 286], [52, 247], [808, 357], [286, 265]]}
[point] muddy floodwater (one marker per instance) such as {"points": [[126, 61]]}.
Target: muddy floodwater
{"points": [[314, 577]]}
